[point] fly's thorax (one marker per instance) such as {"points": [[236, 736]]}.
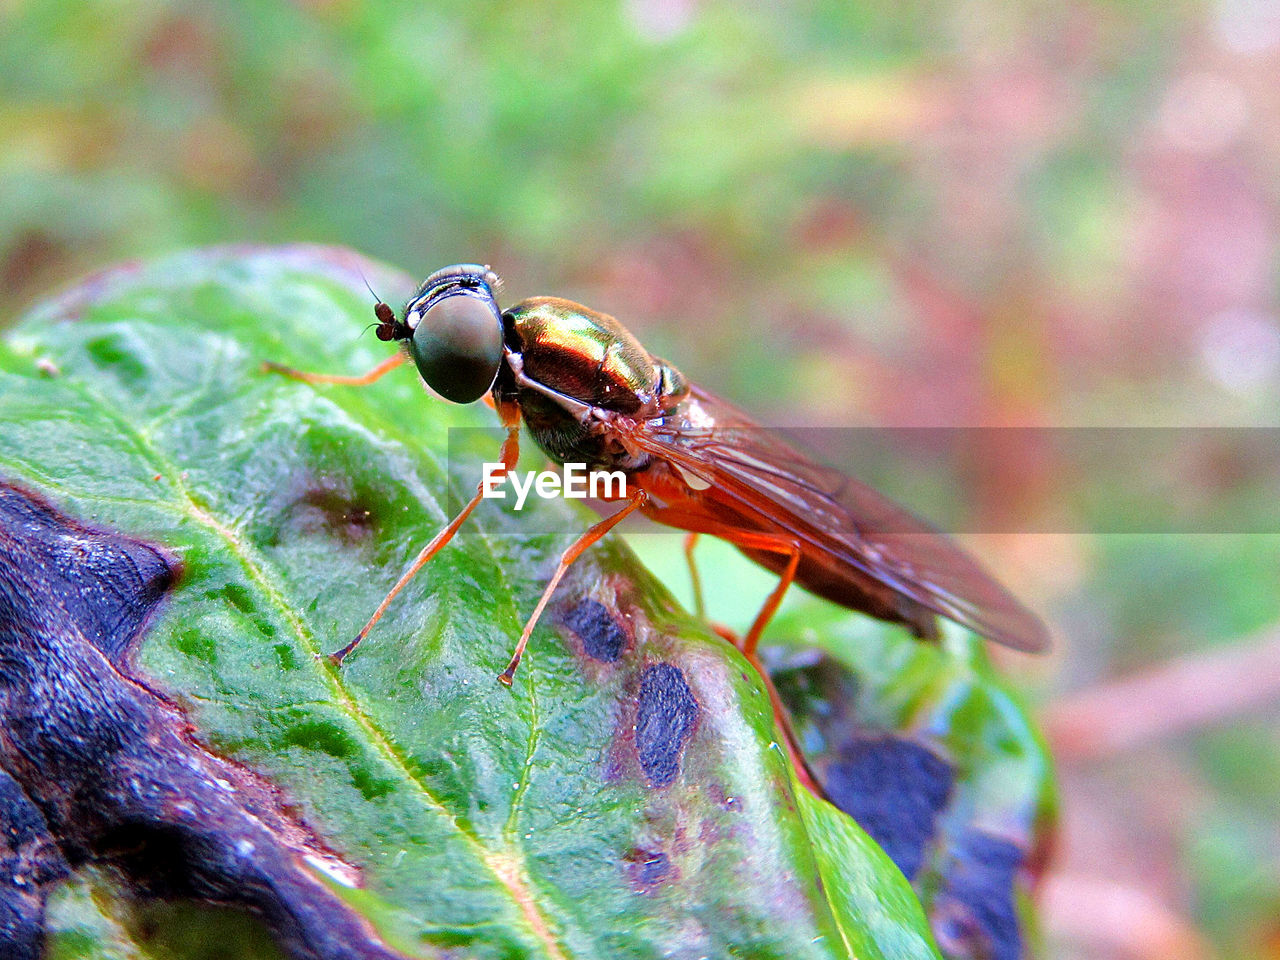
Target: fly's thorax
{"points": [[582, 354], [571, 370]]}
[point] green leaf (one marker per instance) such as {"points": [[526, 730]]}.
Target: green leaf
{"points": [[554, 819], [882, 920]]}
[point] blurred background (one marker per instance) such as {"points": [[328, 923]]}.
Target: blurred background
{"points": [[918, 213]]}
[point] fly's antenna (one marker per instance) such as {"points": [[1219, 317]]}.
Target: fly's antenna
{"points": [[388, 328], [368, 286]]}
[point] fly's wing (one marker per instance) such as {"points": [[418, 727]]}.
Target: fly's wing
{"points": [[829, 512]]}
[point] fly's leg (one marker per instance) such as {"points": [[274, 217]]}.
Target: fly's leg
{"points": [[592, 534], [803, 771], [748, 644], [699, 607], [771, 544], [385, 367], [509, 456]]}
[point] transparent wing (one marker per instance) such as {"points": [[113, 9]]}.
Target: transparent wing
{"points": [[847, 528]]}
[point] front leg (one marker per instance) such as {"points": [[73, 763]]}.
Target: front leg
{"points": [[510, 456], [364, 379]]}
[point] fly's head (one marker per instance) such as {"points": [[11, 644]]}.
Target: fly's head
{"points": [[453, 327]]}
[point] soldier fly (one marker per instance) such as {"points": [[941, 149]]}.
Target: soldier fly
{"points": [[589, 392]]}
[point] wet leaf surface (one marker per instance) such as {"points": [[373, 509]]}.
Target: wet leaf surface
{"points": [[626, 797]]}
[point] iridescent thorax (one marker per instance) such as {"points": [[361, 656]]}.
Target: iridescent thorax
{"points": [[583, 354], [564, 358]]}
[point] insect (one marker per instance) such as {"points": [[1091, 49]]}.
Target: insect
{"points": [[589, 392]]}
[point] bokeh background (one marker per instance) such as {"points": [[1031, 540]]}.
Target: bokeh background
{"points": [[836, 214]]}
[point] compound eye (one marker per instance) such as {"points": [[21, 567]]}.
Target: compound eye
{"points": [[457, 345]]}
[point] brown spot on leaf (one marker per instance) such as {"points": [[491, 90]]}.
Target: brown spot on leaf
{"points": [[896, 789], [665, 717], [648, 868], [349, 519], [327, 506], [975, 912], [603, 638]]}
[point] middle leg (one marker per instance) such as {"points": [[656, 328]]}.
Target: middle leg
{"points": [[699, 606], [509, 456]]}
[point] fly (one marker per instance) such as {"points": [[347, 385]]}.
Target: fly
{"points": [[588, 392]]}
